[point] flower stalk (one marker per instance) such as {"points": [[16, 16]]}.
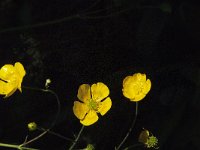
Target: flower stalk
{"points": [[20, 147], [55, 120], [130, 129], [77, 138]]}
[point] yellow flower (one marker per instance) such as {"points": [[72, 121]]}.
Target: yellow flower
{"points": [[11, 78], [148, 140], [136, 87], [93, 100]]}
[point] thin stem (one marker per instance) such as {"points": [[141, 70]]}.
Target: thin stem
{"points": [[75, 16], [77, 138], [130, 129], [112, 14], [41, 24], [57, 114], [16, 146], [56, 134], [57, 100], [34, 139]]}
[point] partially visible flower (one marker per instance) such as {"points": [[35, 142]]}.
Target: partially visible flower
{"points": [[148, 140], [93, 100], [136, 87], [32, 126], [11, 78]]}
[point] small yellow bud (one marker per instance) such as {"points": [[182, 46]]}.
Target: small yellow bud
{"points": [[32, 126], [48, 82]]}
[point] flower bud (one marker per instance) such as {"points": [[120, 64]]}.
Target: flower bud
{"points": [[32, 126]]}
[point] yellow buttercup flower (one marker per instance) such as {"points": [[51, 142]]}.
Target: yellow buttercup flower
{"points": [[93, 100], [11, 78], [136, 87]]}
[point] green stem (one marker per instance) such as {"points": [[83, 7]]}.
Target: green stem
{"points": [[130, 129], [57, 100], [77, 138], [34, 139], [56, 134], [16, 146]]}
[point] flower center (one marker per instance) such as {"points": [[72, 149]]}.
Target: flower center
{"points": [[93, 105]]}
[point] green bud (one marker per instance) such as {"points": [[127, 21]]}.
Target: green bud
{"points": [[32, 126], [90, 147]]}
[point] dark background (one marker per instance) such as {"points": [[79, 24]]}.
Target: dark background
{"points": [[86, 41]]}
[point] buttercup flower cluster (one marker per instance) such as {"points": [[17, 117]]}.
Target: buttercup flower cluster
{"points": [[92, 100]]}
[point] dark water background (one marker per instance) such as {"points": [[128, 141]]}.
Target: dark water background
{"points": [[159, 38]]}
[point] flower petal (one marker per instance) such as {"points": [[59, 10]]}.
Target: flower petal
{"points": [[84, 93], [21, 73], [6, 72], [138, 97], [128, 87], [147, 86], [99, 91], [20, 69], [80, 109], [145, 90], [90, 118], [105, 106], [11, 92], [7, 89], [3, 88], [140, 77]]}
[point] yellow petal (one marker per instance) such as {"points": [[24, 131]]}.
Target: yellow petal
{"points": [[138, 97], [20, 69], [128, 93], [99, 91], [141, 77], [128, 87], [19, 87], [6, 72], [84, 93], [11, 92], [7, 89], [3, 88], [80, 109], [90, 118], [147, 86], [105, 106]]}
